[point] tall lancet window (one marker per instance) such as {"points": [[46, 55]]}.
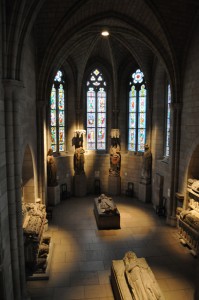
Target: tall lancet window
{"points": [[168, 121], [96, 111], [57, 114], [137, 112]]}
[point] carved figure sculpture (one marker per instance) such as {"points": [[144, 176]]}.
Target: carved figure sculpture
{"points": [[140, 279], [106, 204], [77, 141], [146, 165], [191, 217], [115, 160], [79, 161], [51, 169]]}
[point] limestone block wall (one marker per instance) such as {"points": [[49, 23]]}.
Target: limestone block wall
{"points": [[97, 165], [160, 165], [28, 122], [190, 112], [6, 285]]}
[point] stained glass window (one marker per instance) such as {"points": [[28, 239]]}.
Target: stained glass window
{"points": [[57, 114], [96, 111], [168, 121], [137, 112]]}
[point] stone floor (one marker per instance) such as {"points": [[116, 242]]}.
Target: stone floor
{"points": [[82, 256]]}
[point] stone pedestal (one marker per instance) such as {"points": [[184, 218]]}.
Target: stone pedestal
{"points": [[114, 185], [80, 185], [53, 195], [144, 192]]}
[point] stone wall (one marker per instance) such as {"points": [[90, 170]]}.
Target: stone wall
{"points": [[190, 112]]}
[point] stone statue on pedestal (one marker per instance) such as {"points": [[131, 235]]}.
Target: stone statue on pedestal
{"points": [[146, 165], [115, 157], [79, 153], [51, 169]]}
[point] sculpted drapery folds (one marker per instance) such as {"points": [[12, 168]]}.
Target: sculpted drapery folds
{"points": [[140, 278]]}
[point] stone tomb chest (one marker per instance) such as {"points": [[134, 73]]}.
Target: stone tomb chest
{"points": [[133, 279], [106, 213]]}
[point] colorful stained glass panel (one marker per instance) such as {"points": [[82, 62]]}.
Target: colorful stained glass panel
{"points": [[53, 135], [101, 137], [90, 101], [132, 105], [142, 120], [101, 103], [53, 117], [61, 97], [132, 139], [58, 76], [141, 139], [53, 99], [91, 139], [168, 121], [101, 120], [61, 135], [91, 120], [61, 118], [61, 147], [137, 76], [90, 135], [96, 111], [132, 120]]}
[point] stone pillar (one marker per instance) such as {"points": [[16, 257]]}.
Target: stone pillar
{"points": [[18, 98], [176, 109], [42, 150], [9, 88]]}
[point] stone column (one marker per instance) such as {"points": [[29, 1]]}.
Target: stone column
{"points": [[9, 87], [176, 109], [18, 98], [42, 150]]}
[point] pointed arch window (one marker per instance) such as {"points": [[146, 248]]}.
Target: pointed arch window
{"points": [[57, 113], [96, 111], [168, 121], [137, 112]]}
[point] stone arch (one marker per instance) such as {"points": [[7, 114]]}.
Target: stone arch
{"points": [[28, 183]]}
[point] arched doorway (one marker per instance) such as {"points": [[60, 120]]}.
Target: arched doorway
{"points": [[28, 186]]}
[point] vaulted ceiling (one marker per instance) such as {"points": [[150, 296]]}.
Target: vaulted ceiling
{"points": [[140, 31]]}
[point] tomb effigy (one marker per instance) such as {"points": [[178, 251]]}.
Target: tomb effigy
{"points": [[36, 245], [106, 213], [133, 279], [188, 218]]}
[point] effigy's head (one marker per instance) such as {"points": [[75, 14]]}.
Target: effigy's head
{"points": [[130, 255]]}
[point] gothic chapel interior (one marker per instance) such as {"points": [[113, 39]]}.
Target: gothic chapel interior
{"points": [[67, 88]]}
